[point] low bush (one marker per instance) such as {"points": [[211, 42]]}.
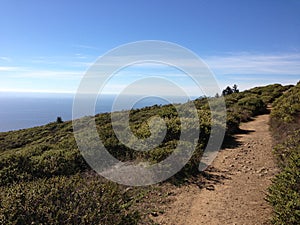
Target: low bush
{"points": [[31, 163], [284, 193], [65, 200]]}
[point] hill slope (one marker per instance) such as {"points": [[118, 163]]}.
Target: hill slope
{"points": [[44, 179]]}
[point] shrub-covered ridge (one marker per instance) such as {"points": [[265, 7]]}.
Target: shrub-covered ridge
{"points": [[42, 171]]}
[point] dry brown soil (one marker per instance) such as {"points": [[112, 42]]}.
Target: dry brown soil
{"points": [[236, 189]]}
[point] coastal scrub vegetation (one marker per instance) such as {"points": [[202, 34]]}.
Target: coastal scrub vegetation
{"points": [[45, 180], [284, 194]]}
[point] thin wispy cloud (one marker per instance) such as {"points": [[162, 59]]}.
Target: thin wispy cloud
{"points": [[77, 61], [246, 63], [80, 56], [11, 69], [234, 63], [85, 46], [242, 68], [4, 58], [57, 74]]}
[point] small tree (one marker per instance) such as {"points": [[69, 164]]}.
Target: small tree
{"points": [[59, 120], [235, 89], [227, 91]]}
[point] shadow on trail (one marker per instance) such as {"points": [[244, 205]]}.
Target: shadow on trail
{"points": [[231, 141], [203, 179], [211, 176]]}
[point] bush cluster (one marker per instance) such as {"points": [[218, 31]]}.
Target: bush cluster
{"points": [[42, 171], [65, 200], [284, 193]]}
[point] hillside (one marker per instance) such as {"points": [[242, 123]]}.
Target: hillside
{"points": [[44, 178], [284, 194]]}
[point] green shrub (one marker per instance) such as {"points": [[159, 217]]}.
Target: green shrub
{"points": [[284, 150], [252, 104], [15, 168], [284, 193], [287, 107], [65, 200], [33, 163]]}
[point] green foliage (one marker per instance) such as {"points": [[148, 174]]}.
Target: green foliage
{"points": [[65, 200], [270, 92], [39, 167], [287, 107], [284, 193], [51, 150], [29, 163], [242, 106], [284, 150], [228, 90], [252, 104]]}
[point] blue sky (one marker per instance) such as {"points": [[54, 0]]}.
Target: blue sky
{"points": [[47, 46]]}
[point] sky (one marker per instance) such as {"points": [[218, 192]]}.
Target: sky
{"points": [[47, 46]]}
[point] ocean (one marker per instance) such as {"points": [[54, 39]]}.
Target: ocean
{"points": [[25, 110]]}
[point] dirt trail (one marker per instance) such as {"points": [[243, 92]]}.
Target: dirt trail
{"points": [[235, 192]]}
